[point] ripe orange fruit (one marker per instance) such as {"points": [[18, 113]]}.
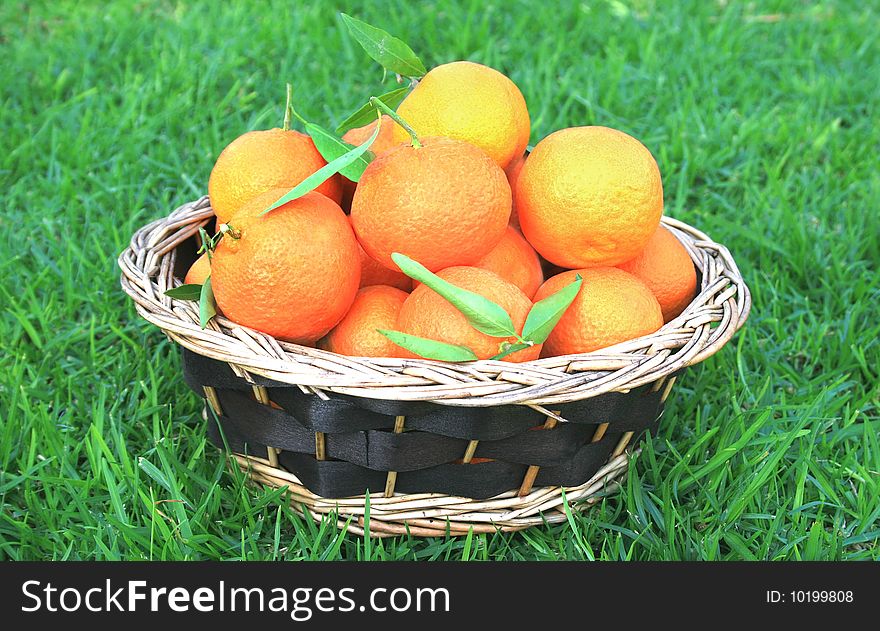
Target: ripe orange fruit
{"points": [[292, 273], [198, 271], [259, 160], [668, 271], [513, 170], [427, 314], [359, 135], [374, 308], [514, 260], [589, 197], [443, 204], [469, 102], [612, 306], [374, 273]]}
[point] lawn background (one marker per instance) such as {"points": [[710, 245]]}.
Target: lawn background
{"points": [[762, 116]]}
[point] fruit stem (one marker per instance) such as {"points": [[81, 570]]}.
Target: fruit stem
{"points": [[290, 111], [377, 103], [208, 243], [225, 229], [288, 108]]}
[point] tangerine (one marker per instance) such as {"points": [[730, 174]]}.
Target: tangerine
{"points": [[470, 102], [612, 306], [292, 273], [589, 197], [374, 307], [443, 204]]}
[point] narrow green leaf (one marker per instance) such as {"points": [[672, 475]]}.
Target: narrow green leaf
{"points": [[368, 543], [185, 292], [325, 172], [390, 52], [367, 113], [157, 476], [509, 349], [430, 349], [482, 314], [207, 306], [330, 146], [545, 313]]}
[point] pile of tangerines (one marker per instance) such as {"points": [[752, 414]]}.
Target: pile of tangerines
{"points": [[450, 185]]}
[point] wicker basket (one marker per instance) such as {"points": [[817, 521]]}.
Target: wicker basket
{"points": [[429, 448]]}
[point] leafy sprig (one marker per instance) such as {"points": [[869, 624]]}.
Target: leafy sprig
{"points": [[203, 294], [483, 315], [394, 56], [327, 171], [328, 144]]}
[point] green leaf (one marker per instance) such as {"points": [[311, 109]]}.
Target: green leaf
{"points": [[482, 314], [430, 349], [207, 306], [545, 313], [367, 113], [331, 147], [508, 349], [190, 291], [325, 172], [389, 51]]}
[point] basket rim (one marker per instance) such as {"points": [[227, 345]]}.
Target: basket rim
{"points": [[719, 309]]}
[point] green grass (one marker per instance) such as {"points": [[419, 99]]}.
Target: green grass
{"points": [[765, 129]]}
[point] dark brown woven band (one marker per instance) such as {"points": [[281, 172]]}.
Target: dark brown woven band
{"points": [[337, 478], [385, 451], [360, 449], [631, 411]]}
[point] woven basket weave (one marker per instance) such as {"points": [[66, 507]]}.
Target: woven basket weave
{"points": [[441, 447]]}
